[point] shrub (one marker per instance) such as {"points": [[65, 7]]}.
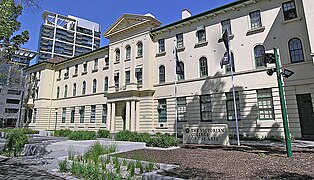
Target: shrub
{"points": [[103, 133], [16, 139], [62, 132], [63, 166], [94, 152], [82, 135]]}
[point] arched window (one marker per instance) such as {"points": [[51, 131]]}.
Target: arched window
{"points": [[94, 85], [74, 89], [65, 91], [58, 92], [259, 51], [128, 52], [117, 55], [203, 67], [139, 49], [106, 84], [84, 88], [228, 67], [181, 75], [296, 50], [162, 74]]}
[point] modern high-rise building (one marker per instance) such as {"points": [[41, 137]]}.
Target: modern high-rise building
{"points": [[66, 36]]}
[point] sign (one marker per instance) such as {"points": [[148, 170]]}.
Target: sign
{"points": [[206, 134]]}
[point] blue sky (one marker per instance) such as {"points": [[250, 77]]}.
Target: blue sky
{"points": [[106, 12]]}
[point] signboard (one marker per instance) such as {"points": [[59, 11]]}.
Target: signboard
{"points": [[206, 134]]}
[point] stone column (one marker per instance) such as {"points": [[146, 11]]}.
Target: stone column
{"points": [[132, 115], [137, 116], [108, 122], [113, 116], [127, 115]]}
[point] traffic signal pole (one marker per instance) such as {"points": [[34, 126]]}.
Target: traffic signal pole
{"points": [[283, 106]]}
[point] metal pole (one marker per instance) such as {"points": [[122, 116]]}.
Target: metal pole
{"points": [[175, 91], [283, 106]]}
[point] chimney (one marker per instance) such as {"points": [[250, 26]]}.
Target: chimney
{"points": [[186, 13]]}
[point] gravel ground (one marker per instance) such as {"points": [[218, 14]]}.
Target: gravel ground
{"points": [[232, 162]]}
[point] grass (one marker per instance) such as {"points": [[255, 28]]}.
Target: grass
{"points": [[63, 166]]}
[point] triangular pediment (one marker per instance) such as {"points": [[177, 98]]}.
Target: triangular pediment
{"points": [[130, 21]]}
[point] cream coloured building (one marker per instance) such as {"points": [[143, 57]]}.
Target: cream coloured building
{"points": [[130, 83]]}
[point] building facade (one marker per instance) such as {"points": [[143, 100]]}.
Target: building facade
{"points": [[12, 87], [130, 84], [66, 36]]}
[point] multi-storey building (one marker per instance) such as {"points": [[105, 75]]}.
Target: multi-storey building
{"points": [[12, 87], [130, 83], [66, 36]]}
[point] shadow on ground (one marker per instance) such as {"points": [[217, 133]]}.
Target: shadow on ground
{"points": [[192, 173], [265, 174]]}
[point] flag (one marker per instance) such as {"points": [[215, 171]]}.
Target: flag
{"points": [[179, 68], [226, 58], [224, 61]]}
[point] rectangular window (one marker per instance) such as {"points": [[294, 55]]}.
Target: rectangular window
{"points": [[127, 77], [256, 20], [72, 114], [82, 112], [66, 74], [104, 113], [181, 109], [93, 114], [289, 10], [59, 74], [85, 67], [14, 92], [162, 110], [107, 61], [226, 25], [11, 110], [116, 80], [63, 114], [76, 69], [13, 101], [161, 45], [230, 106], [206, 108], [138, 74], [35, 115], [201, 34], [265, 104], [95, 64], [180, 43]]}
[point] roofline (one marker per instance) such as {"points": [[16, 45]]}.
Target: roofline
{"points": [[201, 14]]}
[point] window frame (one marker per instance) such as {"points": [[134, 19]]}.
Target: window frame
{"points": [[104, 113], [201, 35], [229, 100], [258, 60], [203, 67], [128, 52], [94, 86], [140, 49], [139, 76], [93, 114], [117, 80], [96, 64], [265, 97], [162, 74], [117, 55], [74, 90], [161, 45], [292, 51], [224, 23], [65, 91], [63, 118], [255, 21], [162, 113], [179, 40], [72, 115], [58, 92], [82, 114], [205, 100], [76, 69], [181, 109], [127, 77], [84, 88], [293, 10], [227, 67], [106, 84], [181, 77]]}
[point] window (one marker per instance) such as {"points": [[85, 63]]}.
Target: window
{"points": [[106, 84], [107, 61], [116, 80], [162, 110], [104, 113], [181, 108], [139, 49], [228, 67], [203, 67], [296, 50], [85, 67], [128, 52], [93, 113], [206, 108], [127, 77], [13, 101], [84, 88], [74, 89], [58, 92], [95, 64], [67, 72], [289, 10], [179, 38], [94, 86], [63, 114], [138, 75], [65, 91], [11, 110], [15, 92], [226, 25], [181, 76], [76, 69], [201, 34], [35, 115], [59, 74], [82, 112], [162, 74], [265, 104], [256, 20], [230, 106], [72, 114], [259, 51], [117, 55], [161, 45]]}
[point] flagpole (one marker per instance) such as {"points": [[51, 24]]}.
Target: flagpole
{"points": [[175, 92]]}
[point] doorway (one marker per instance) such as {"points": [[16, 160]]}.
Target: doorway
{"points": [[306, 115]]}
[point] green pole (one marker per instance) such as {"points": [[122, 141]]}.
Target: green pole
{"points": [[283, 106]]}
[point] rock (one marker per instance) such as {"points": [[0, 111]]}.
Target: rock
{"points": [[34, 149], [3, 158]]}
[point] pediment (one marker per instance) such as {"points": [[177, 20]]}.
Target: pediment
{"points": [[129, 21]]}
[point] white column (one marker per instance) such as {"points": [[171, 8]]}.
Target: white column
{"points": [[108, 116], [127, 115], [113, 116], [137, 124], [132, 115]]}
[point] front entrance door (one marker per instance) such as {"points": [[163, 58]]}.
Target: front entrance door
{"points": [[306, 115], [123, 118]]}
